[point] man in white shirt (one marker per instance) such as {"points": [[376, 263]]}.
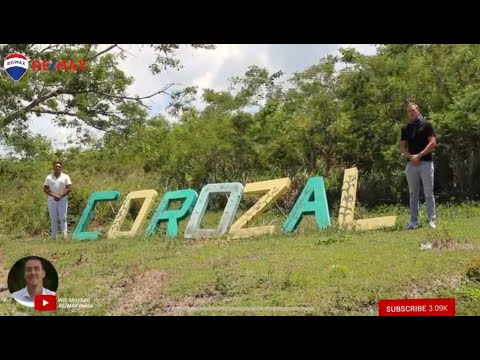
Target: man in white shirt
{"points": [[57, 186], [34, 275]]}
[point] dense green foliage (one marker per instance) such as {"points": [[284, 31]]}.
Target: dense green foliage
{"points": [[344, 111]]}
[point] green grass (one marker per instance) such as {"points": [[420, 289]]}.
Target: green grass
{"points": [[328, 272]]}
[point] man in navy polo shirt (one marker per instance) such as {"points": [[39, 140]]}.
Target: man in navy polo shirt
{"points": [[417, 142]]}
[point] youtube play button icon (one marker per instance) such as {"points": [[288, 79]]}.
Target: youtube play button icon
{"points": [[45, 302]]}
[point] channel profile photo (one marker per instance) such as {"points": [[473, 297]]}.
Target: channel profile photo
{"points": [[30, 277]]}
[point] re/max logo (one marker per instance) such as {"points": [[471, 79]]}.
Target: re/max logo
{"points": [[57, 65]]}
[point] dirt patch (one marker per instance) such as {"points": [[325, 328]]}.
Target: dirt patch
{"points": [[416, 291], [138, 291], [143, 292], [187, 305], [439, 244]]}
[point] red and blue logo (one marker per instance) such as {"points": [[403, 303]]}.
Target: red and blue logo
{"points": [[15, 65]]}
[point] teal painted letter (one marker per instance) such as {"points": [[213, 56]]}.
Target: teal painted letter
{"points": [[80, 233], [235, 190], [172, 216], [312, 201]]}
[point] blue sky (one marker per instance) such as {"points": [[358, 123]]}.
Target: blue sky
{"points": [[206, 69]]}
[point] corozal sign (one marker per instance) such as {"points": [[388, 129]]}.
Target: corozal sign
{"points": [[311, 202]]}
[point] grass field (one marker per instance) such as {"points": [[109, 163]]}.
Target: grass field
{"points": [[310, 272]]}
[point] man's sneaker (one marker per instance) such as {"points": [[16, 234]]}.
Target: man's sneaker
{"points": [[410, 226], [432, 224]]}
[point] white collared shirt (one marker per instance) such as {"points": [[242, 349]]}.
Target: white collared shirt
{"points": [[23, 297], [57, 185]]}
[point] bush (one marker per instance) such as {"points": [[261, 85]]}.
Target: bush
{"points": [[473, 271]]}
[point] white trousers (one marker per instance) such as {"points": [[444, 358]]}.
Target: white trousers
{"points": [[58, 212]]}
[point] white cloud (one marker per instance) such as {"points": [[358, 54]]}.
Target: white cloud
{"points": [[206, 69]]}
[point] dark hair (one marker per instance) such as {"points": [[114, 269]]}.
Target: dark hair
{"points": [[57, 162], [33, 258], [412, 103]]}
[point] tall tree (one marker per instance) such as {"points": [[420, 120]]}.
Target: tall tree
{"points": [[95, 95]]}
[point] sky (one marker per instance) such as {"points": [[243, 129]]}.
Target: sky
{"points": [[206, 69]]}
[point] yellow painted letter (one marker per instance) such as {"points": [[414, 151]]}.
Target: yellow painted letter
{"points": [[277, 188], [347, 207], [149, 196]]}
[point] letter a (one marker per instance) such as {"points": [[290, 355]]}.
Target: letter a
{"points": [[312, 201]]}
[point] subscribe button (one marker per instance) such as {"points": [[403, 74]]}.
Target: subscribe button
{"points": [[417, 307]]}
